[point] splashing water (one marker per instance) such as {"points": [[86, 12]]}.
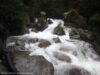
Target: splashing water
{"points": [[65, 54]]}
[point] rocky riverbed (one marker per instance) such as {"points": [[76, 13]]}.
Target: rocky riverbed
{"points": [[56, 50]]}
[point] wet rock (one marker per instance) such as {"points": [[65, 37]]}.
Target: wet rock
{"points": [[16, 41], [34, 40], [56, 40], [31, 25], [16, 45], [74, 34], [44, 43], [86, 35], [65, 15], [19, 42], [49, 21], [77, 71], [65, 49], [59, 30], [34, 30], [42, 22], [78, 33], [26, 30], [75, 53], [92, 39], [62, 57]]}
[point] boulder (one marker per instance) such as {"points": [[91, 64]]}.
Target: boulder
{"points": [[59, 30], [56, 40], [32, 65], [42, 22], [65, 49], [19, 42], [34, 40], [77, 71], [62, 57], [44, 43], [49, 21], [14, 43], [74, 33]]}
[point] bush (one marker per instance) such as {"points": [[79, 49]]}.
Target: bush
{"points": [[94, 22], [11, 16]]}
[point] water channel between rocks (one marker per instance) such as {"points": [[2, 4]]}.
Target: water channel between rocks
{"points": [[64, 53]]}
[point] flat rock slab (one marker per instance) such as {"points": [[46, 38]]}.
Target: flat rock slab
{"points": [[32, 65]]}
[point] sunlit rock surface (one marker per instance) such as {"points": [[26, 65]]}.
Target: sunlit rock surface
{"points": [[34, 65]]}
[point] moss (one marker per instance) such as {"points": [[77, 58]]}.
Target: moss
{"points": [[59, 30]]}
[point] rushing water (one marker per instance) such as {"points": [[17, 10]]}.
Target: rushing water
{"points": [[65, 54]]}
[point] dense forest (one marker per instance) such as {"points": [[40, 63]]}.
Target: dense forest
{"points": [[15, 15]]}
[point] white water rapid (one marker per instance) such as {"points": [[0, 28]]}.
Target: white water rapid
{"points": [[65, 54]]}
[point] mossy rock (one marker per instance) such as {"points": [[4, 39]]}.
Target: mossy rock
{"points": [[59, 30]]}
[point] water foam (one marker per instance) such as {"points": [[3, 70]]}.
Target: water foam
{"points": [[80, 52]]}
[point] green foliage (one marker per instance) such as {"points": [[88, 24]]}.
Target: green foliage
{"points": [[11, 11], [86, 7], [94, 22], [72, 15], [11, 15], [95, 17], [53, 8]]}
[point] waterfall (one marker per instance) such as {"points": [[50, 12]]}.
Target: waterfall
{"points": [[64, 55]]}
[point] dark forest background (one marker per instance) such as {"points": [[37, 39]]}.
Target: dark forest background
{"points": [[16, 14]]}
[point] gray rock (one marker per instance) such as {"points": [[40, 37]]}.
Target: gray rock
{"points": [[62, 57], [42, 22], [32, 65], [44, 43], [56, 40], [34, 40], [74, 34], [49, 21], [59, 30], [77, 71]]}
